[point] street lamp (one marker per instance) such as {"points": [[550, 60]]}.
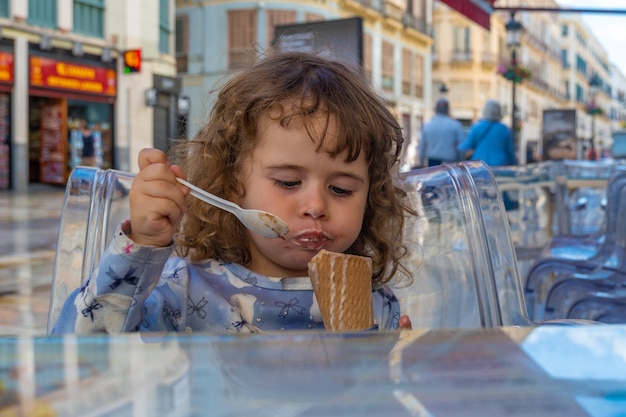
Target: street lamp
{"points": [[443, 90], [513, 41], [593, 109]]}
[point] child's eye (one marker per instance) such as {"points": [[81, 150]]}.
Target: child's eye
{"points": [[286, 184], [341, 191]]}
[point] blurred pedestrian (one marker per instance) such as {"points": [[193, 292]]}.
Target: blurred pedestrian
{"points": [[89, 150], [489, 140], [440, 137]]}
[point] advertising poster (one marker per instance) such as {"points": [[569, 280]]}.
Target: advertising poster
{"points": [[559, 134], [342, 38]]}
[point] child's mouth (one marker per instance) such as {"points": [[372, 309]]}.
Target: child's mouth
{"points": [[311, 239]]}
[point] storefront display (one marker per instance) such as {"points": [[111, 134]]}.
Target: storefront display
{"points": [[75, 100], [52, 161]]}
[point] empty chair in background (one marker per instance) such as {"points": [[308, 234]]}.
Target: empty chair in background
{"points": [[565, 294], [582, 247], [604, 266], [601, 307], [530, 189], [581, 188]]}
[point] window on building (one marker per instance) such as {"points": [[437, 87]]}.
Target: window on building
{"points": [[164, 26], [461, 43], [418, 75], [89, 17], [4, 8], [581, 65], [580, 94], [406, 72], [242, 28], [564, 62], [387, 83], [182, 42], [276, 18], [461, 39], [42, 13]]}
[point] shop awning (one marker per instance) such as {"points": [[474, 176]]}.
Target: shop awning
{"points": [[479, 11]]}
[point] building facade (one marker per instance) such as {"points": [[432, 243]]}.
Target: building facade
{"points": [[467, 58], [217, 37], [584, 58], [65, 98], [561, 54]]}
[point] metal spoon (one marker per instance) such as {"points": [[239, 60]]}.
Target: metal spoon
{"points": [[265, 224]]}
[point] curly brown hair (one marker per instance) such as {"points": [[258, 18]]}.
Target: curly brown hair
{"points": [[214, 159]]}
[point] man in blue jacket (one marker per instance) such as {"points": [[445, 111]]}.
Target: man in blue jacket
{"points": [[440, 137]]}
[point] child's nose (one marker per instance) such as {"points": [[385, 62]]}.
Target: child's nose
{"points": [[314, 204]]}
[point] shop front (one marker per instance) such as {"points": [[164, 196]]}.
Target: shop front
{"points": [[70, 115]]}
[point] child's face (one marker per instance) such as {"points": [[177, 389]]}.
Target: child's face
{"points": [[322, 199]]}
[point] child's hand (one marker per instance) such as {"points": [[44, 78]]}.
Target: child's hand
{"points": [[157, 200], [405, 323]]}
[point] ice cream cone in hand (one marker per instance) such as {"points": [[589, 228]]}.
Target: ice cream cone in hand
{"points": [[343, 289]]}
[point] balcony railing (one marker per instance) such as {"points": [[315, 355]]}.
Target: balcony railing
{"points": [[408, 20], [417, 23], [462, 56]]}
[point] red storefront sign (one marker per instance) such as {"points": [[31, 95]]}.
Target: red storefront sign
{"points": [[80, 78], [6, 67]]}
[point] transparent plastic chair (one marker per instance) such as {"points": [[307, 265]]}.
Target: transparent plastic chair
{"points": [[461, 254], [529, 191], [584, 247], [95, 202], [565, 294], [581, 187], [609, 308], [604, 264]]}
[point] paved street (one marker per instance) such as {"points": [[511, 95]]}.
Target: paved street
{"points": [[29, 225]]}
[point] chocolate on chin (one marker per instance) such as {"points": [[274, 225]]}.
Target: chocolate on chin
{"points": [[343, 289]]}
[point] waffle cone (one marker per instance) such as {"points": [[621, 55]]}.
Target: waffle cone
{"points": [[343, 289]]}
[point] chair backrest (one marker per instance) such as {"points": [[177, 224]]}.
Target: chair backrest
{"points": [[583, 173], [461, 253], [529, 191], [95, 202]]}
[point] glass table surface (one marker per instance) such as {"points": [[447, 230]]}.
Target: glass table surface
{"points": [[556, 370]]}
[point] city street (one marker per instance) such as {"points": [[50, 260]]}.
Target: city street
{"points": [[29, 225]]}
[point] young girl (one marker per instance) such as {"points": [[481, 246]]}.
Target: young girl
{"points": [[296, 135]]}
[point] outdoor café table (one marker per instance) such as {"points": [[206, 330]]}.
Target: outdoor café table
{"points": [[556, 370]]}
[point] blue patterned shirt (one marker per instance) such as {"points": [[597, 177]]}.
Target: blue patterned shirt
{"points": [[144, 288]]}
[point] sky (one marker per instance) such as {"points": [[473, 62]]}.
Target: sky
{"points": [[609, 29]]}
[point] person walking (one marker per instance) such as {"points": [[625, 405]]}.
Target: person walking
{"points": [[489, 140], [440, 137]]}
